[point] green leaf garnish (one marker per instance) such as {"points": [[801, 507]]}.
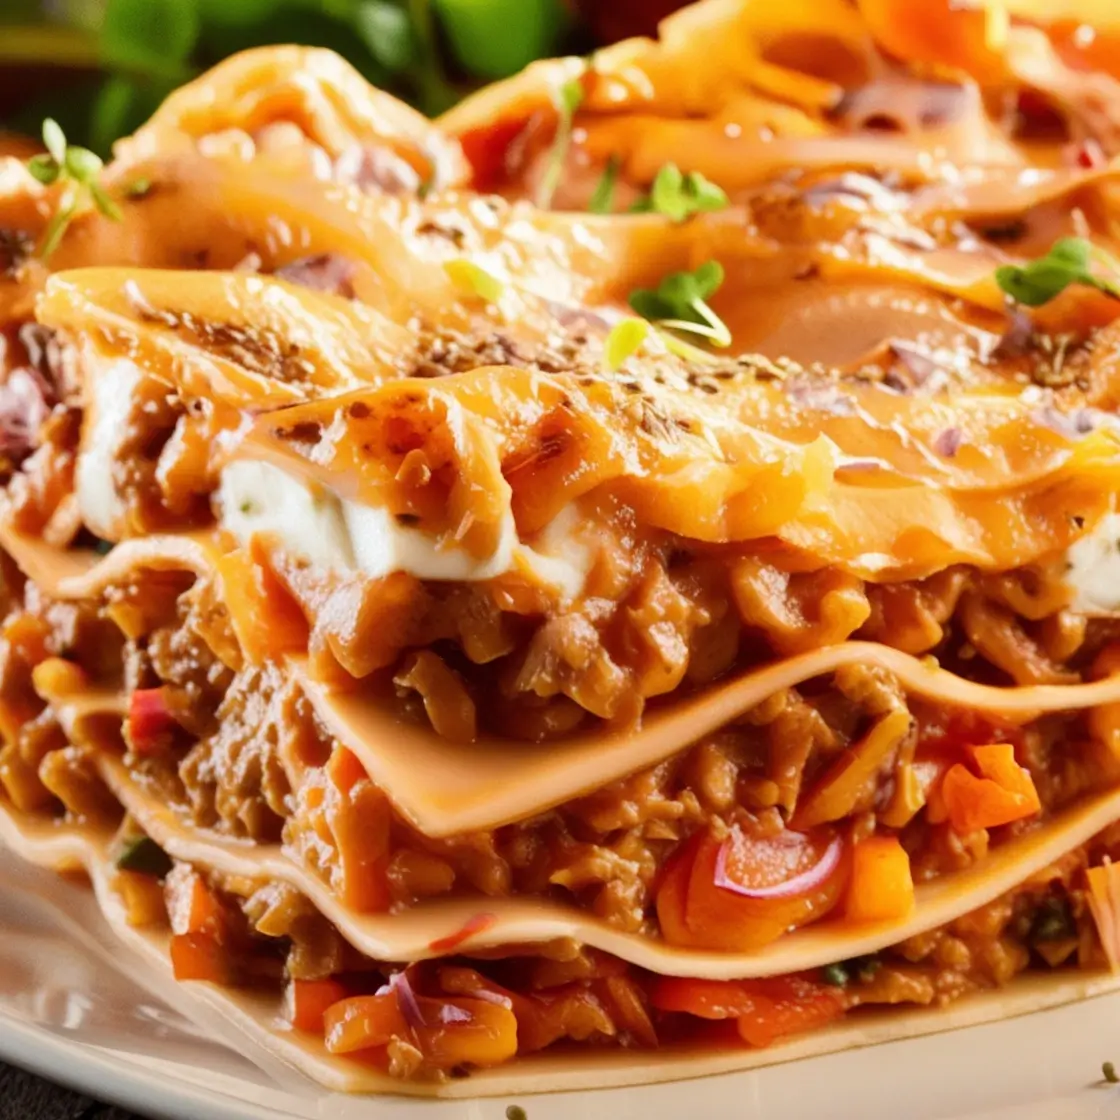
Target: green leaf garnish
{"points": [[602, 199], [835, 975], [54, 141], [78, 170], [569, 97], [138, 187], [473, 279], [151, 37], [679, 195], [1068, 262], [145, 856], [680, 303], [387, 32], [624, 340]]}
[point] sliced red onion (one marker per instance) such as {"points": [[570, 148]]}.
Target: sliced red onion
{"points": [[947, 442], [1017, 337], [376, 170], [487, 996], [822, 396], [916, 362], [323, 272], [409, 1006], [861, 465], [896, 104], [807, 881]]}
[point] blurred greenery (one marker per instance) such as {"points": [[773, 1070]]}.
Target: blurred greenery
{"points": [[100, 67]]}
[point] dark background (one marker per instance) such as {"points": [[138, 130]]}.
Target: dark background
{"points": [[100, 67], [23, 1097]]}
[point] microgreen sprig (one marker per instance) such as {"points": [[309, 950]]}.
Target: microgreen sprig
{"points": [[624, 341], [602, 198], [77, 169], [679, 303], [678, 195], [1069, 261], [473, 280], [569, 97]]}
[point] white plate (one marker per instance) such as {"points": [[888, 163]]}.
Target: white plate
{"points": [[77, 1010]]}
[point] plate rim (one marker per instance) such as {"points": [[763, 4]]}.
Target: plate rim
{"points": [[82, 1066]]}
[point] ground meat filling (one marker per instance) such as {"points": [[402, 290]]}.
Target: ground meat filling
{"points": [[237, 748], [262, 766]]}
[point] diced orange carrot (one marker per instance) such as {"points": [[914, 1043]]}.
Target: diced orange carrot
{"points": [[881, 887], [789, 1005], [264, 616], [765, 1010], [198, 956], [466, 1032], [448, 1032], [308, 1002], [706, 999], [1004, 791], [363, 1022], [191, 906]]}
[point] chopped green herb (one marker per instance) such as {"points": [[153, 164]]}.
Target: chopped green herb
{"points": [[77, 170], [684, 350], [138, 187], [679, 195], [515, 1112], [624, 341], [144, 855], [1052, 921], [1068, 262], [680, 303], [842, 973], [1108, 1071], [474, 280], [103, 548], [866, 967], [387, 32], [602, 199], [569, 97]]}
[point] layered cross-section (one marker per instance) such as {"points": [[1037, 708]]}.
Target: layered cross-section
{"points": [[456, 674]]}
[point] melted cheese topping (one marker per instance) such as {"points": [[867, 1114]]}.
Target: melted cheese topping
{"points": [[346, 536], [1094, 569], [111, 387]]}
